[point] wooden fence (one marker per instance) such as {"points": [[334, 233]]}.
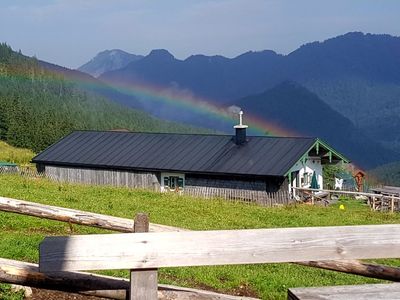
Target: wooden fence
{"points": [[9, 169], [22, 273], [145, 252], [185, 248], [377, 202], [27, 172], [236, 195]]}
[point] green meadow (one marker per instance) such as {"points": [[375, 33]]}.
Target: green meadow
{"points": [[15, 155], [21, 235]]}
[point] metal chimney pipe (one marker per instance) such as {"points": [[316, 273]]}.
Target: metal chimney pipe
{"points": [[240, 131]]}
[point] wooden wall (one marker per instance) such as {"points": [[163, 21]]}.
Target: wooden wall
{"points": [[263, 191], [145, 180], [265, 184]]}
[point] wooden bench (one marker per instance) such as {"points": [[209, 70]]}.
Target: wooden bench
{"points": [[347, 292]]}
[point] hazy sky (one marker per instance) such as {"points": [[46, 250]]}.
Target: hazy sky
{"points": [[71, 32]]}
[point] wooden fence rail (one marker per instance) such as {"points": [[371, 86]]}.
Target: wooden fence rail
{"points": [[144, 251], [221, 247], [378, 202], [75, 216], [28, 274]]}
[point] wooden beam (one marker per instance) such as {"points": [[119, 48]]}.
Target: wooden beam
{"points": [[75, 216], [143, 283], [28, 274], [357, 268], [199, 248], [346, 292]]}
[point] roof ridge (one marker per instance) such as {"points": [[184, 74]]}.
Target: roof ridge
{"points": [[192, 134]]}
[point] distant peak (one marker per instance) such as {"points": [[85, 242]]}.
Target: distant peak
{"points": [[262, 53], [160, 54], [111, 52]]}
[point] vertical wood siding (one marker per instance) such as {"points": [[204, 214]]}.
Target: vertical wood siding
{"points": [[254, 191], [240, 190], [145, 180]]}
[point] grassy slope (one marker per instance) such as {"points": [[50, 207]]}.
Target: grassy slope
{"points": [[15, 155], [21, 235]]}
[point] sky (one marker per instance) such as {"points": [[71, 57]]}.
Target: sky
{"points": [[71, 32]]}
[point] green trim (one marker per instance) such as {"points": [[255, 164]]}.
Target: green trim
{"points": [[7, 164], [317, 144], [342, 157]]}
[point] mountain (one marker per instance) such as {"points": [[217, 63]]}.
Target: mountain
{"points": [[291, 105], [214, 77], [108, 60], [355, 73], [42, 102]]}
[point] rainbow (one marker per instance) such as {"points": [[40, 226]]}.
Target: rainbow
{"points": [[186, 100], [173, 97]]}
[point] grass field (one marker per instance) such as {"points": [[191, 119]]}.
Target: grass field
{"points": [[21, 235], [15, 155]]}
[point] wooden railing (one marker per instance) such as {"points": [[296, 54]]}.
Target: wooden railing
{"points": [[333, 248], [74, 216], [378, 202], [145, 252], [22, 273]]}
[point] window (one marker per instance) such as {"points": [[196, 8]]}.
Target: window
{"points": [[173, 182], [305, 180], [180, 182]]}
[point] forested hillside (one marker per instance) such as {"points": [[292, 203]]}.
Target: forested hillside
{"points": [[39, 106], [291, 103], [388, 174]]}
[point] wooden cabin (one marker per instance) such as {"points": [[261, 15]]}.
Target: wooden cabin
{"points": [[175, 162]]}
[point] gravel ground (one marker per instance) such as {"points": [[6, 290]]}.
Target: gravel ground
{"points": [[41, 294]]}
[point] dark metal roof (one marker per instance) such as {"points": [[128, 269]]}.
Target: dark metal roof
{"points": [[191, 153]]}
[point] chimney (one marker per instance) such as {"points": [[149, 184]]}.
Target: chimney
{"points": [[240, 137]]}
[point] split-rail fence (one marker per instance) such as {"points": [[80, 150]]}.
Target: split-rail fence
{"points": [[144, 253]]}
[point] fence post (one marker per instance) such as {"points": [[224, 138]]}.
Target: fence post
{"points": [[143, 283], [392, 204]]}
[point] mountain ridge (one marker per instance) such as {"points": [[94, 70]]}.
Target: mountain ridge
{"points": [[108, 60], [354, 73]]}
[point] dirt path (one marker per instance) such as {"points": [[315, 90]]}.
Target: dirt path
{"points": [[41, 294]]}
